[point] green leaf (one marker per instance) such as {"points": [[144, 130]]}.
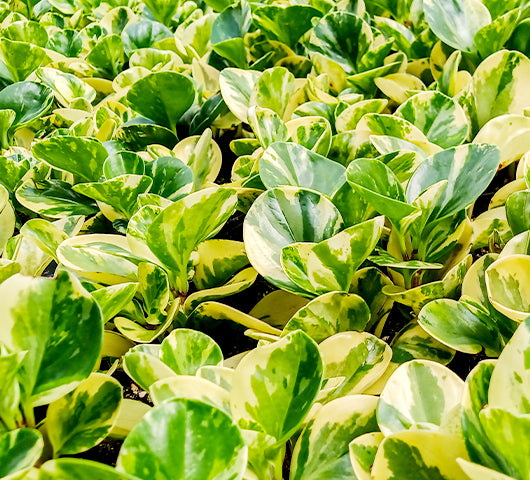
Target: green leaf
{"points": [[274, 386], [290, 164], [379, 186], [456, 22], [329, 314], [322, 450], [144, 34], [123, 163], [518, 211], [285, 23], [228, 31], [113, 299], [19, 451], [28, 100], [81, 156], [152, 97], [54, 362], [84, 417], [175, 233], [492, 37], [185, 351], [184, 440], [343, 37], [280, 217], [108, 56], [456, 165], [420, 394], [439, 117]]}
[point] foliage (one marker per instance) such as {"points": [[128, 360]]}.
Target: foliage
{"points": [[280, 220]]}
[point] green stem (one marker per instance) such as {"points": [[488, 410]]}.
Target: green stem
{"points": [[29, 415]]}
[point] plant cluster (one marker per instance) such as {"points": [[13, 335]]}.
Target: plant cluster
{"points": [[343, 185]]}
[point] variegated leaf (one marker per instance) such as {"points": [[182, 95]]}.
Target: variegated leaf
{"points": [[497, 88], [236, 88], [290, 164], [474, 470], [185, 351], [7, 218], [457, 22], [508, 432], [329, 314], [508, 284], [190, 387], [350, 116], [83, 157], [266, 125], [218, 261], [363, 450], [274, 386], [184, 440], [239, 282], [68, 468], [280, 217], [84, 417], [456, 165], [19, 451], [175, 233], [145, 369], [419, 454], [510, 380], [322, 450], [202, 155], [311, 132], [101, 258], [331, 264], [112, 299], [511, 133], [420, 394], [439, 117], [54, 363], [474, 399], [352, 362]]}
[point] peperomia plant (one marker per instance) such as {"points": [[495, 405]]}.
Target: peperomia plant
{"points": [[259, 240]]}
